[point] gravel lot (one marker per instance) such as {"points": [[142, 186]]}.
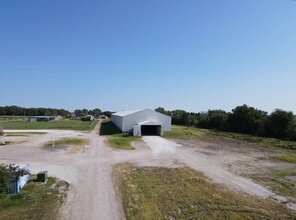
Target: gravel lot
{"points": [[92, 194]]}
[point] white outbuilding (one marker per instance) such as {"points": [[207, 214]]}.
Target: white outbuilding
{"points": [[142, 122]]}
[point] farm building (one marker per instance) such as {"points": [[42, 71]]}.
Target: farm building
{"points": [[88, 118], [103, 117], [41, 118], [142, 122]]}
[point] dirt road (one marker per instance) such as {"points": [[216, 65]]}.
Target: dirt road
{"points": [[89, 172], [92, 196]]}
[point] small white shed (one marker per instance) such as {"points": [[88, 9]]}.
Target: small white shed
{"points": [[142, 122]]}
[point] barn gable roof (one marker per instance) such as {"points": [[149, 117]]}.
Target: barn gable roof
{"points": [[127, 112]]}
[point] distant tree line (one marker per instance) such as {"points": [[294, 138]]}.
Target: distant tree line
{"points": [[243, 119], [95, 112], [20, 111]]}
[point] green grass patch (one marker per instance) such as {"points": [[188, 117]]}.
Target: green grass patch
{"points": [[93, 125], [108, 128], [121, 141], [291, 158], [278, 181], [59, 125], [181, 193], [267, 142], [181, 132], [23, 133], [36, 201], [67, 141]]}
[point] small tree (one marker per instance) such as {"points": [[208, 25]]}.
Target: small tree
{"points": [[7, 172]]}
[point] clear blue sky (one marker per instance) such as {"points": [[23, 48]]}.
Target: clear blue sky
{"points": [[180, 54]]}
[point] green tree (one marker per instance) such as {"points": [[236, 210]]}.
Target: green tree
{"points": [[214, 119], [281, 124], [248, 120], [180, 117], [163, 111]]}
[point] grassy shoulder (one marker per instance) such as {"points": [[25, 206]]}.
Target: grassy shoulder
{"points": [[8, 133], [115, 138], [36, 201], [67, 141], [181, 193], [182, 132], [280, 181], [121, 141], [59, 125]]}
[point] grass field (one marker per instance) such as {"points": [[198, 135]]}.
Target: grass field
{"points": [[121, 141], [181, 193], [59, 125], [36, 201], [182, 132], [115, 138]]}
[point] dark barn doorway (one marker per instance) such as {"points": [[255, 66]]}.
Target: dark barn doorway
{"points": [[151, 130]]}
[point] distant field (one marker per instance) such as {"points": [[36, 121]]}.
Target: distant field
{"points": [[13, 118], [59, 125], [286, 148], [181, 193], [181, 132]]}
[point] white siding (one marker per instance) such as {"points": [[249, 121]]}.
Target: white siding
{"points": [[127, 122], [117, 120]]}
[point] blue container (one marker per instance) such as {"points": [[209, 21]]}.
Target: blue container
{"points": [[17, 183]]}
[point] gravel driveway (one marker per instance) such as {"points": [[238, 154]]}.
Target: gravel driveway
{"points": [[92, 194]]}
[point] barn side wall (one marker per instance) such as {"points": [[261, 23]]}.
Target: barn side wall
{"points": [[129, 121], [117, 120]]}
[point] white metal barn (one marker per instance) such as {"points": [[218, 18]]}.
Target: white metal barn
{"points": [[142, 122]]}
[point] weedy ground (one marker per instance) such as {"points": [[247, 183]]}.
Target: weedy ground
{"points": [[181, 193]]}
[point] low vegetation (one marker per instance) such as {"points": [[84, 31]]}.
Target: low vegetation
{"points": [[291, 158], [116, 139], [23, 133], [73, 144], [121, 141], [35, 201], [59, 125], [181, 193], [67, 141], [266, 142], [280, 181], [182, 132]]}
